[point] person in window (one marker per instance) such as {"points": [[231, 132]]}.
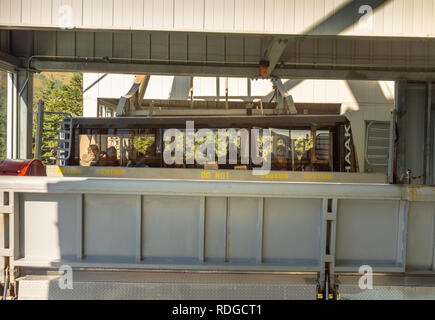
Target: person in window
{"points": [[138, 162], [279, 160], [92, 157], [139, 159], [110, 158], [132, 154], [151, 150]]}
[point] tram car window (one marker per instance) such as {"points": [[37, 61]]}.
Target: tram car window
{"points": [[119, 147], [297, 143]]}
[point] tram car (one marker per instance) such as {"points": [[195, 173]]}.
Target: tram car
{"points": [[296, 143]]}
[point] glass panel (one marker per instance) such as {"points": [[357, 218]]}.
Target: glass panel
{"points": [[131, 148], [227, 145], [322, 145], [377, 148], [302, 145], [180, 145], [290, 150], [282, 152]]}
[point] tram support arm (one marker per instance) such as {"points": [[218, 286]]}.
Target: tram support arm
{"points": [[132, 100]]}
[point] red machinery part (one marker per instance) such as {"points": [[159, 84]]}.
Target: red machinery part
{"points": [[30, 167]]}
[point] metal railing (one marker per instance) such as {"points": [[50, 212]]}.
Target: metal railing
{"points": [[380, 159], [327, 228], [64, 136]]}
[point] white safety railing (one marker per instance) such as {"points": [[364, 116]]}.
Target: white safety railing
{"points": [[222, 225]]}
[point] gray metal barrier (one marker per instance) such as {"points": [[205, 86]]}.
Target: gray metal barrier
{"points": [[217, 225]]}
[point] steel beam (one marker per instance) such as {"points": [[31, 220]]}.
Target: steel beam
{"points": [[215, 188], [250, 71], [9, 62], [273, 121], [273, 54], [219, 54]]}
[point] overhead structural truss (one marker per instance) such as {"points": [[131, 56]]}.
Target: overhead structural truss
{"points": [[219, 54]]}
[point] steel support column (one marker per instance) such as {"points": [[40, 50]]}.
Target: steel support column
{"points": [[392, 147], [428, 138], [25, 114], [12, 119], [401, 110]]}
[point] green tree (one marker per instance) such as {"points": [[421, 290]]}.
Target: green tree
{"points": [[66, 98], [141, 144]]}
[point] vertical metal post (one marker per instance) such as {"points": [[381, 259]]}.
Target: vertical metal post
{"points": [[260, 220], [14, 236], [12, 133], [332, 215], [218, 88], [433, 255], [391, 147], [428, 139], [138, 229], [402, 234], [201, 231], [227, 229], [25, 115], [39, 129], [323, 240], [191, 92], [400, 96], [329, 216], [5, 244], [226, 93], [79, 239]]}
